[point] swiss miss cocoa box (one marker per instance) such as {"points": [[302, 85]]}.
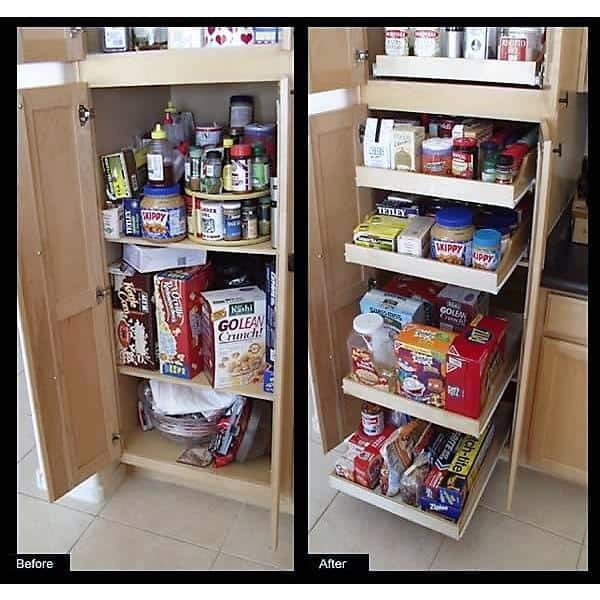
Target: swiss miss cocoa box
{"points": [[234, 330], [473, 361], [133, 313], [177, 294]]}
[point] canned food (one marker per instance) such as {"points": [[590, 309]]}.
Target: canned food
{"points": [[372, 419]]}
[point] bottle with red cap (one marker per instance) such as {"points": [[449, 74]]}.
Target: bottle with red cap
{"points": [[241, 168]]}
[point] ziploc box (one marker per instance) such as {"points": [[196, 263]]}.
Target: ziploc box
{"points": [[178, 297], [271, 291], [457, 306], [395, 310], [419, 289], [148, 259], [377, 143], [473, 362]]}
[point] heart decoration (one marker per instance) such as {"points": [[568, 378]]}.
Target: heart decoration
{"points": [[246, 38], [220, 39]]}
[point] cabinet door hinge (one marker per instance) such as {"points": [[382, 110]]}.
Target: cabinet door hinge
{"points": [[73, 31], [85, 114], [291, 262], [101, 293], [116, 436], [361, 55]]}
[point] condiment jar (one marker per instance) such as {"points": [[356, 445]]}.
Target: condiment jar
{"points": [[464, 158], [264, 216], [249, 220], [232, 224], [241, 111], [211, 182], [504, 169], [260, 169], [241, 165], [163, 213], [436, 156], [488, 153], [211, 220], [427, 41], [193, 169], [486, 249], [372, 420], [452, 236], [160, 159]]}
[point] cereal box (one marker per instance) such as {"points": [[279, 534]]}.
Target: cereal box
{"points": [[234, 328], [421, 353], [472, 364], [178, 319], [456, 307], [395, 310]]}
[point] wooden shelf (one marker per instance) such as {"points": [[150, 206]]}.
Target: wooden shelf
{"points": [[238, 244], [260, 248], [228, 197], [443, 417], [455, 530], [185, 66], [254, 390], [457, 69], [485, 281], [453, 188]]}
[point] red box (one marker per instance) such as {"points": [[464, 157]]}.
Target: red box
{"points": [[456, 307], [419, 289], [473, 361], [178, 319], [362, 460]]}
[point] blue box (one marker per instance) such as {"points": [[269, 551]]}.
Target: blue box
{"points": [[269, 380]]}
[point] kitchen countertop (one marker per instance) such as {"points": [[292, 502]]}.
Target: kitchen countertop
{"points": [[566, 265]]}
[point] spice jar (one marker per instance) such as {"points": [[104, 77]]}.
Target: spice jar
{"points": [[452, 236], [193, 169], [427, 41], [249, 220], [241, 111], [396, 41], [211, 220], [486, 249], [488, 153], [241, 165], [264, 216], [212, 172], [160, 159], [232, 227], [164, 216], [191, 216], [464, 158], [436, 156], [504, 169], [226, 172], [260, 169], [371, 419]]}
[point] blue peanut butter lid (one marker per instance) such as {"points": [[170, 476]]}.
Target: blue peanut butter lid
{"points": [[171, 190], [487, 238], [454, 217]]}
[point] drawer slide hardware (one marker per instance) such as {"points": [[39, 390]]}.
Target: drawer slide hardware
{"points": [[564, 100], [101, 293], [116, 437], [361, 55], [85, 114]]}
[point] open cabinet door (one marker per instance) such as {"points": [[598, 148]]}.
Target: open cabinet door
{"points": [[337, 58], [65, 318], [50, 44], [335, 207]]}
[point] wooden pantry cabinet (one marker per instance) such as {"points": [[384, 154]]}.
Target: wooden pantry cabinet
{"points": [[84, 403], [342, 191]]}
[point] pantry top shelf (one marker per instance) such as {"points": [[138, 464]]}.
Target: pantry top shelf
{"points": [[186, 66]]}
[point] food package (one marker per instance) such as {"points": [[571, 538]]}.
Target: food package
{"points": [[415, 239], [234, 330], [474, 360], [379, 231], [266, 35], [125, 173], [407, 141], [412, 479], [398, 454], [421, 352], [395, 418], [480, 42], [456, 307], [271, 296], [256, 440], [418, 289], [441, 463], [113, 222], [377, 143], [361, 462], [133, 312], [186, 37], [147, 259], [216, 37], [230, 431], [178, 314], [397, 206], [395, 310], [473, 128]]}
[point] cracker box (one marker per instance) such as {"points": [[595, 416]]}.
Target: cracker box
{"points": [[178, 311], [421, 353], [362, 460], [418, 289], [456, 307], [395, 310], [377, 143], [474, 360], [234, 328], [133, 313]]}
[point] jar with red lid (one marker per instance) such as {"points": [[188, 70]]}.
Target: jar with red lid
{"points": [[464, 158], [241, 165]]}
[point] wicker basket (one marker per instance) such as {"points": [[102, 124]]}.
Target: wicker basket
{"points": [[191, 430]]}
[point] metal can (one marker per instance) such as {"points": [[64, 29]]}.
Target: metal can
{"points": [[396, 41], [232, 221], [427, 41], [249, 220], [372, 419], [132, 217], [211, 220]]}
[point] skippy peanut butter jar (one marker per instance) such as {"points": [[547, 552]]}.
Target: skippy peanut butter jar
{"points": [[233, 326]]}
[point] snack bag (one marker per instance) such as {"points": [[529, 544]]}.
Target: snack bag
{"points": [[412, 479]]}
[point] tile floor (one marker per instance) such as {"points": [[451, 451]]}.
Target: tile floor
{"points": [[145, 525], [546, 529]]}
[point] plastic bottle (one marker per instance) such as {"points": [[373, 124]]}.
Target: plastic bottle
{"points": [[160, 159], [260, 169], [227, 144]]}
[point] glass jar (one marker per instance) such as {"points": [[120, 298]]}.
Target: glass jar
{"points": [[193, 169], [160, 159], [371, 352], [486, 249], [452, 236], [260, 169], [464, 158], [226, 174], [232, 224], [211, 220], [212, 172], [241, 111], [436, 157], [241, 168], [488, 153], [397, 41], [504, 169], [371, 417], [264, 216], [265, 134], [250, 220], [164, 215]]}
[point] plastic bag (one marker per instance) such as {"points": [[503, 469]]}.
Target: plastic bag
{"points": [[412, 479]]}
